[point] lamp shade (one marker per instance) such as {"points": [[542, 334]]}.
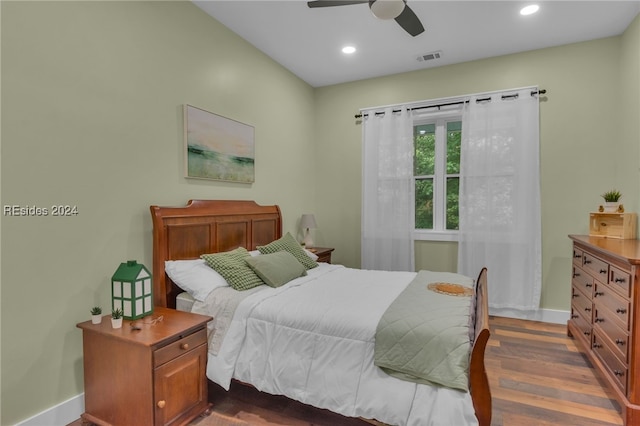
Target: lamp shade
{"points": [[132, 290], [308, 221], [387, 9]]}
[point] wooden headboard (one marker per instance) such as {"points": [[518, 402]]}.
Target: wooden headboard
{"points": [[206, 226]]}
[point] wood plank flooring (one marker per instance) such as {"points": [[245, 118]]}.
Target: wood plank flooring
{"points": [[537, 377]]}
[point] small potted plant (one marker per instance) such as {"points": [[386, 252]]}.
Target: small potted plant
{"points": [[116, 318], [96, 315], [611, 200]]}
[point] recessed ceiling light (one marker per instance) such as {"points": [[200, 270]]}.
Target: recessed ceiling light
{"points": [[529, 10], [348, 50]]}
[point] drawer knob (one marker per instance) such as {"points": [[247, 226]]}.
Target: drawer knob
{"points": [[587, 261], [598, 293], [599, 320], [184, 346], [619, 280], [574, 315], [587, 309], [621, 310], [619, 373], [603, 271], [620, 342], [587, 333], [597, 345], [577, 256], [575, 295], [161, 404], [588, 285]]}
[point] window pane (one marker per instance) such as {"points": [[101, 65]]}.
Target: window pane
{"points": [[453, 184], [425, 149], [424, 204], [454, 130]]}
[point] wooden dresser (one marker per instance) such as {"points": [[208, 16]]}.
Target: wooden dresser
{"points": [[149, 372], [605, 313]]}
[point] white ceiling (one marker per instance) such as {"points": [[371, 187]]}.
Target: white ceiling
{"points": [[308, 41]]}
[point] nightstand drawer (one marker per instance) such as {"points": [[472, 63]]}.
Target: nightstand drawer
{"points": [[179, 347]]}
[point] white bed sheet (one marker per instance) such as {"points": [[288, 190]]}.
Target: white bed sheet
{"points": [[312, 340]]}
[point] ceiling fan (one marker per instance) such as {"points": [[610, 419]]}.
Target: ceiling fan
{"points": [[382, 9]]}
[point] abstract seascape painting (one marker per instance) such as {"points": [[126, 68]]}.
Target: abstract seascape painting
{"points": [[217, 147]]}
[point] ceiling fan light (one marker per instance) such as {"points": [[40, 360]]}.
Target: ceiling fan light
{"points": [[386, 9]]}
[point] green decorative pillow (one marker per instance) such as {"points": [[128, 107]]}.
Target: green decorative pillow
{"points": [[276, 269], [232, 266], [288, 243]]}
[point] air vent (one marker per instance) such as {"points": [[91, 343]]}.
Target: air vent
{"points": [[430, 56]]}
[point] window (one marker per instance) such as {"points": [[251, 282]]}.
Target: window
{"points": [[436, 173]]}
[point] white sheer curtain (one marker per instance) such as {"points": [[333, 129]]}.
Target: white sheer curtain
{"points": [[500, 197], [387, 190]]}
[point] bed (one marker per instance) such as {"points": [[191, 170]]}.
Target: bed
{"points": [[319, 350]]}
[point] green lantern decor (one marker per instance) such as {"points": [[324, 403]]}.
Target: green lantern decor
{"points": [[132, 290]]}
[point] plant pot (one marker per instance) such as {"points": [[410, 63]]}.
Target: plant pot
{"points": [[611, 207], [96, 319], [116, 323]]}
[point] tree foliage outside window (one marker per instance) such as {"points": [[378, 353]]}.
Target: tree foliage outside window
{"points": [[436, 174]]}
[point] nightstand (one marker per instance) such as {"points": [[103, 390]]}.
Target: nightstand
{"points": [[323, 253], [152, 376]]}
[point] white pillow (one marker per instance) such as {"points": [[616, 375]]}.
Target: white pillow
{"points": [[194, 276]]}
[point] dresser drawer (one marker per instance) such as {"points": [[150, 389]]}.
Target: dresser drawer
{"points": [[581, 304], [615, 368], [583, 326], [577, 256], [605, 297], [620, 280], [599, 268], [179, 347], [610, 328], [583, 281]]}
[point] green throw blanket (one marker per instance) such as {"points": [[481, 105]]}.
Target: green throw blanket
{"points": [[423, 336]]}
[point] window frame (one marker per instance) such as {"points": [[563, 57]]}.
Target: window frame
{"points": [[439, 231]]}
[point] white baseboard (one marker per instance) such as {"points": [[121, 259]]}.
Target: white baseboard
{"points": [[58, 415], [544, 315]]}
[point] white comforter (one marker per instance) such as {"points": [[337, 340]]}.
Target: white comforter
{"points": [[312, 340]]}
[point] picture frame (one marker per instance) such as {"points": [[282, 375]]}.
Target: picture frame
{"points": [[217, 148]]}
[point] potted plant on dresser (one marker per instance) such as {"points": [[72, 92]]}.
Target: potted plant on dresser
{"points": [[612, 201], [116, 318], [96, 315]]}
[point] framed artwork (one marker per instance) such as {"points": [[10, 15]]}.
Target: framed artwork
{"points": [[217, 147]]}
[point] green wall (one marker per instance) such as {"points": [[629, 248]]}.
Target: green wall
{"points": [[91, 116], [589, 142], [92, 96]]}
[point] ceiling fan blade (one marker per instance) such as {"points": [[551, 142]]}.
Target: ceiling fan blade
{"points": [[410, 22], [330, 3]]}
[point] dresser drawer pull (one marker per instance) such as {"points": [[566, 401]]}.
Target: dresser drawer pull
{"points": [[588, 285], [587, 262], [587, 333], [621, 310], [184, 346], [587, 309], [161, 404], [598, 320], [620, 342], [598, 293], [574, 315], [577, 256], [575, 295], [575, 274], [597, 345], [603, 271], [618, 373], [620, 280]]}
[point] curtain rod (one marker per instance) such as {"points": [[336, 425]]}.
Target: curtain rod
{"points": [[533, 93]]}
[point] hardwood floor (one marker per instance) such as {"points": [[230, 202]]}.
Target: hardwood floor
{"points": [[537, 377]]}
